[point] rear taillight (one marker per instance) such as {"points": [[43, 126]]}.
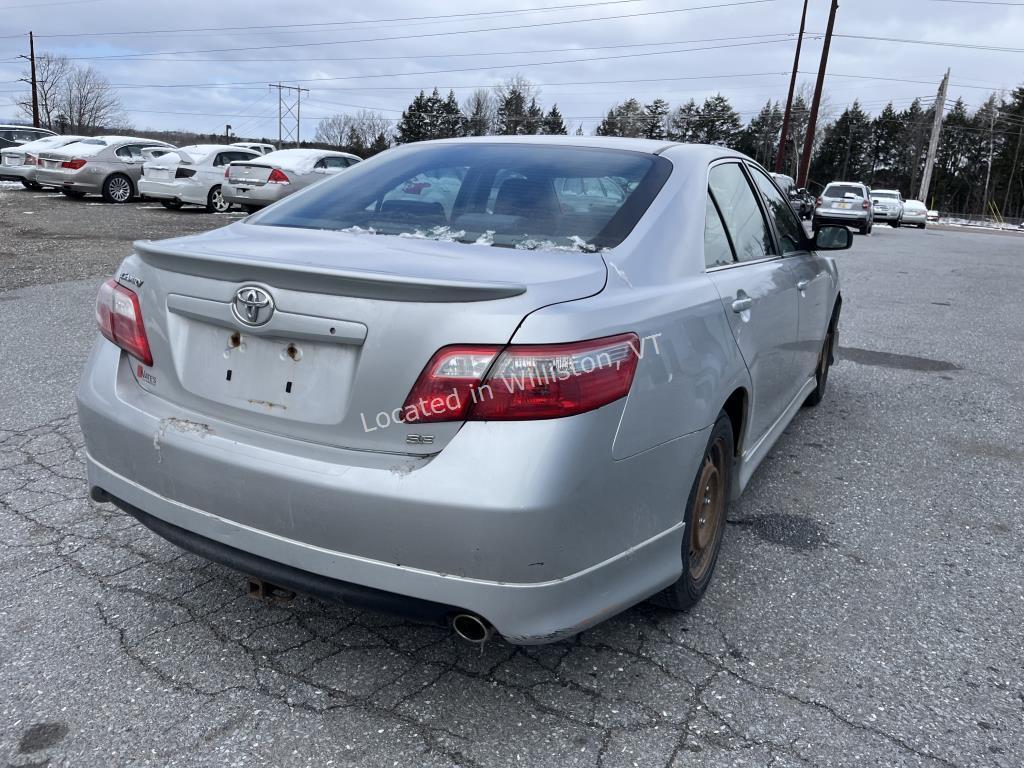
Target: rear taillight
{"points": [[819, 201], [119, 318], [74, 165], [865, 205], [31, 160], [545, 381], [227, 172], [277, 176], [184, 173]]}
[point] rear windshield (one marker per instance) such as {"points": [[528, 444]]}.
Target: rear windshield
{"points": [[842, 190], [513, 195]]}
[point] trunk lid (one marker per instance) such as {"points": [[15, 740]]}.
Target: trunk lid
{"points": [[253, 174], [163, 168], [355, 320]]}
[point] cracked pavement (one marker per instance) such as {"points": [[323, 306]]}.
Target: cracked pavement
{"points": [[867, 608]]}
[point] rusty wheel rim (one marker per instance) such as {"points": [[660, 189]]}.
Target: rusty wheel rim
{"points": [[708, 511]]}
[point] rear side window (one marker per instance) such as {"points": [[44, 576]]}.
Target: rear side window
{"points": [[513, 195], [741, 214], [717, 249], [790, 230]]}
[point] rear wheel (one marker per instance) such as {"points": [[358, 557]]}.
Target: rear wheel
{"points": [[895, 224], [922, 225], [173, 205], [704, 520], [215, 202], [73, 193], [30, 184], [117, 189]]}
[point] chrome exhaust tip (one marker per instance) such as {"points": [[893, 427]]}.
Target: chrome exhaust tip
{"points": [[472, 628]]}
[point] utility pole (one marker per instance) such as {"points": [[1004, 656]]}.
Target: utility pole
{"points": [[991, 151], [812, 119], [35, 85], [780, 155], [289, 104], [1013, 169], [227, 134], [933, 142]]}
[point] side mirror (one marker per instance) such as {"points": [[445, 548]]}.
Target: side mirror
{"points": [[829, 238]]}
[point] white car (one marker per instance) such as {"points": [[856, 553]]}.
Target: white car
{"points": [[265, 180], [888, 206], [20, 163], [191, 175], [263, 149], [915, 213]]}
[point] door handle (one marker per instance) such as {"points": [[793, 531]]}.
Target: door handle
{"points": [[802, 284], [742, 305]]}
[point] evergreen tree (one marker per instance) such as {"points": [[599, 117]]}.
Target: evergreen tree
{"points": [[657, 120], [682, 125], [628, 119], [534, 119], [511, 112], [846, 150], [760, 139], [380, 143], [887, 146], [608, 126], [719, 123], [414, 125], [554, 125], [450, 122]]}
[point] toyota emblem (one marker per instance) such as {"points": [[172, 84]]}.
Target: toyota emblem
{"points": [[252, 306]]}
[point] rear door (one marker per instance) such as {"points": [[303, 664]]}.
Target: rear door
{"points": [[813, 279], [757, 289]]}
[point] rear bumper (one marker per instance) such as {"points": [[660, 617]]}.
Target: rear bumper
{"points": [[257, 196], [887, 215], [522, 523], [14, 172], [169, 190], [842, 218], [76, 180]]}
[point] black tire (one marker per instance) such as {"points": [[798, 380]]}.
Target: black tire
{"points": [[173, 205], [895, 224], [74, 194], [826, 357], [864, 229], [703, 540], [922, 226], [30, 184], [118, 188], [251, 208], [215, 202]]}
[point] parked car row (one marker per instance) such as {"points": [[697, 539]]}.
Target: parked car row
{"points": [[120, 168], [854, 204]]}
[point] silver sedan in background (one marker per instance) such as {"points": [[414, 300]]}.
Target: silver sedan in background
{"points": [[102, 165], [254, 184], [21, 163], [430, 386], [915, 214]]}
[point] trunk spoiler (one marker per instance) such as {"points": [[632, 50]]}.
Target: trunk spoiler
{"points": [[321, 278]]}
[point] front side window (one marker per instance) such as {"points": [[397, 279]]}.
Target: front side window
{"points": [[791, 232], [741, 214], [512, 195]]}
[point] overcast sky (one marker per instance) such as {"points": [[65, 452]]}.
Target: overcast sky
{"points": [[744, 51]]}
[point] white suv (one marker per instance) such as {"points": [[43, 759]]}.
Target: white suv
{"points": [[888, 206]]}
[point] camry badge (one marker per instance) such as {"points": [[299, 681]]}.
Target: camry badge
{"points": [[252, 306]]}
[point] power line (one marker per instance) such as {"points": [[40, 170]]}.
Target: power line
{"points": [[321, 25], [732, 4]]}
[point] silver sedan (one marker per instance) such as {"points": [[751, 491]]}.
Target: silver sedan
{"points": [[254, 184], [430, 386], [21, 163], [102, 165]]}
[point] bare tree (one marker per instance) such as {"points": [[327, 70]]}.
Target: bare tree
{"points": [[517, 83], [357, 131], [52, 73], [88, 101], [333, 130]]}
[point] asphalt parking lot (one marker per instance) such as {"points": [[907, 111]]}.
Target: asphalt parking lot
{"points": [[867, 609]]}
